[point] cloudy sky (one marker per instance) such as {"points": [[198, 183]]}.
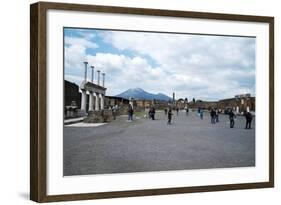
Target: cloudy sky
{"points": [[200, 66]]}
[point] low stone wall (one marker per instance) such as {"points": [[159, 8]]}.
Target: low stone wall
{"points": [[74, 113], [100, 116]]}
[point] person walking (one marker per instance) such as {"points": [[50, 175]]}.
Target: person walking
{"points": [[231, 118], [177, 109], [152, 113], [169, 116], [186, 110], [249, 118], [201, 114], [213, 114], [217, 115], [130, 113]]}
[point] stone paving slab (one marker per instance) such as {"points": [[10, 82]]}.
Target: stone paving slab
{"points": [[82, 124], [73, 120], [145, 145]]}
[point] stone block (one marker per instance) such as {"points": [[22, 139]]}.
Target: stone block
{"points": [[100, 116]]}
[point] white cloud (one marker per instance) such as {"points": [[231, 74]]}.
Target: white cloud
{"points": [[75, 50], [205, 67], [83, 42], [189, 50], [124, 72]]}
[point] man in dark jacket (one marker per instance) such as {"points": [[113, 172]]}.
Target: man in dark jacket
{"points": [[213, 115], [249, 118], [130, 113], [169, 116], [152, 112], [231, 118]]}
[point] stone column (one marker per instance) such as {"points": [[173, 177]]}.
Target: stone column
{"points": [[93, 67], [83, 100], [98, 77], [237, 109], [97, 102], [91, 101], [85, 75], [102, 101], [103, 78]]}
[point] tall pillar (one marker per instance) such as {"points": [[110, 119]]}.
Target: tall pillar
{"points": [[103, 78], [93, 67], [97, 102], [98, 77], [102, 101], [83, 100], [85, 75], [91, 101]]}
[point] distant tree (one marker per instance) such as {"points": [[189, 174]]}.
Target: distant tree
{"points": [[193, 100]]}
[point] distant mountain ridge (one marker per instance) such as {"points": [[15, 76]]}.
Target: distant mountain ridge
{"points": [[140, 94]]}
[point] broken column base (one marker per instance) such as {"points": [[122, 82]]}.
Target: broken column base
{"points": [[81, 113], [100, 116]]}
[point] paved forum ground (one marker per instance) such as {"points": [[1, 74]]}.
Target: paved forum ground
{"points": [[145, 145]]}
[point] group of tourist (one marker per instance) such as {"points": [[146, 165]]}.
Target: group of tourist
{"points": [[214, 114], [215, 118], [248, 116]]}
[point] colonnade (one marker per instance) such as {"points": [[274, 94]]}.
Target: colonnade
{"points": [[96, 91]]}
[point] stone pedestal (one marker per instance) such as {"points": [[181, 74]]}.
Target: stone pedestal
{"points": [[81, 113], [100, 116]]}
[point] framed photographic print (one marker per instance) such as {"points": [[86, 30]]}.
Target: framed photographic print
{"points": [[135, 102]]}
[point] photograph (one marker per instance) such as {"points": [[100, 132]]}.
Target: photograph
{"points": [[149, 101], [130, 101]]}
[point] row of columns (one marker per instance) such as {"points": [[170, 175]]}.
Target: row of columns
{"points": [[97, 104], [92, 78], [243, 103], [247, 109], [99, 97]]}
